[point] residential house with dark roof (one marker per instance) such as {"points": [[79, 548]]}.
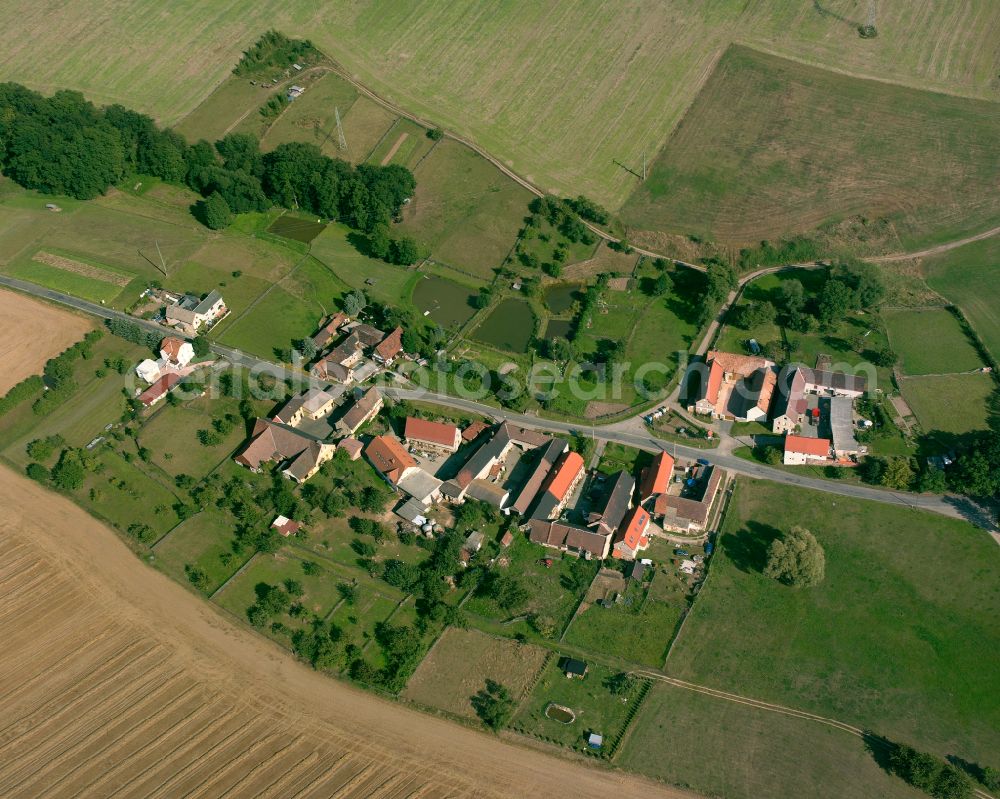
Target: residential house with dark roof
{"points": [[365, 409], [191, 312], [367, 335], [689, 511], [301, 455], [431, 436], [617, 502], [569, 538], [488, 492], [311, 404], [328, 330], [547, 457]]}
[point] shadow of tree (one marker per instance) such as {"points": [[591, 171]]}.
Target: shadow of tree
{"points": [[974, 770], [880, 748], [747, 549]]}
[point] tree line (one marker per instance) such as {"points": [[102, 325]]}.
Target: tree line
{"points": [[64, 144]]}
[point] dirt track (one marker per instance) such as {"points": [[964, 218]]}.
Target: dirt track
{"points": [[47, 329], [120, 682]]}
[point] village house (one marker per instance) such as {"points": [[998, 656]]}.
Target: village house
{"points": [[363, 410], [631, 537], [472, 431], [389, 457], [428, 436], [736, 387], [491, 455], [800, 450], [688, 511], [569, 538], [328, 330], [351, 446], [285, 526], [656, 477], [387, 349], [159, 389], [421, 485], [339, 363], [559, 486], [149, 370], [300, 455], [368, 336], [188, 313], [490, 493], [617, 503], [792, 404], [176, 351], [841, 418], [312, 404], [548, 455]]}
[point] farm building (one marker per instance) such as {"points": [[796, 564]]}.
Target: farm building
{"points": [[801, 450], [617, 502], [689, 510], [548, 455], [389, 457], [632, 538], [285, 526], [559, 486], [301, 455], [365, 409], [568, 538], [656, 477], [573, 668], [735, 386], [433, 436], [389, 348], [159, 389]]}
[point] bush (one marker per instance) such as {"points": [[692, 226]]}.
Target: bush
{"points": [[214, 212], [435, 134]]}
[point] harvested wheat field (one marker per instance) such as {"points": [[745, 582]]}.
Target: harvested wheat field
{"points": [[120, 682], [31, 332]]}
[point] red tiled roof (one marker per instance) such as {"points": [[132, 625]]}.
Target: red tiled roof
{"points": [[391, 345], [819, 447], [170, 347], [351, 446], [715, 374], [433, 432], [159, 388], [656, 476], [471, 433], [635, 526], [389, 456], [564, 474]]}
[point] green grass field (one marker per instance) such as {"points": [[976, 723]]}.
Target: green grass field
{"points": [[931, 342], [407, 142], [969, 277], [952, 403], [562, 92], [333, 249], [233, 102], [311, 117], [205, 542], [465, 209], [721, 748], [813, 146], [890, 641], [596, 708]]}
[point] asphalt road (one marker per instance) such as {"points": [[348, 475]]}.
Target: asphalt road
{"points": [[948, 505]]}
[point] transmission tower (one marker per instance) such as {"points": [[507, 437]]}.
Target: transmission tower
{"points": [[340, 129]]}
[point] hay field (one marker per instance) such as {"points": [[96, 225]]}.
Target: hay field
{"points": [[31, 332], [771, 148], [970, 277], [559, 90], [121, 682]]}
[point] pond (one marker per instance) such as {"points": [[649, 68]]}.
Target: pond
{"points": [[558, 328], [449, 303], [560, 713], [560, 297], [509, 327], [291, 227]]}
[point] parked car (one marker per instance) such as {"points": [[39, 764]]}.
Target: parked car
{"points": [[681, 553], [703, 462]]}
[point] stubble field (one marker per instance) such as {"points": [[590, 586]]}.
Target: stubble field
{"points": [[31, 332], [121, 682], [561, 91]]}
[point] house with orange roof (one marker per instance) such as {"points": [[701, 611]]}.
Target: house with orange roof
{"points": [[389, 457], [656, 477], [431, 436], [800, 450], [631, 537], [559, 485], [736, 387], [176, 351], [388, 348]]}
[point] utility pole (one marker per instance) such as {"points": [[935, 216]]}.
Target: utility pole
{"points": [[163, 264], [340, 129]]}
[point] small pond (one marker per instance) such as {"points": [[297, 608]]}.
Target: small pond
{"points": [[449, 303], [291, 227], [560, 713], [558, 328], [561, 296], [509, 327]]}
